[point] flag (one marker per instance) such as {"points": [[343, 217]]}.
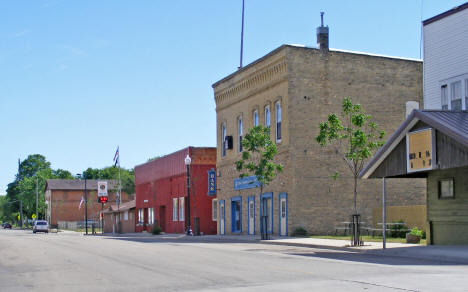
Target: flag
{"points": [[116, 157], [81, 202]]}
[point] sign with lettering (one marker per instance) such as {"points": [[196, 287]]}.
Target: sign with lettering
{"points": [[212, 182], [420, 150], [248, 182]]}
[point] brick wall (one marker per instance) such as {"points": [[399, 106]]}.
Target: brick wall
{"points": [[310, 86]]}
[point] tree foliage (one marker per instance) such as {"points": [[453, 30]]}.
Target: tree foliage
{"points": [[127, 176], [353, 135], [257, 157], [33, 173]]}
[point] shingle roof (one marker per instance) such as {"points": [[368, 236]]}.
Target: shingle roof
{"points": [[452, 123], [75, 184], [123, 207]]}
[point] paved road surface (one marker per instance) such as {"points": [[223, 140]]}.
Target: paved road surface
{"points": [[73, 262]]}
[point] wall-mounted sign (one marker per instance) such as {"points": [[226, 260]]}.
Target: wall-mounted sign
{"points": [[420, 150], [212, 182], [248, 182]]}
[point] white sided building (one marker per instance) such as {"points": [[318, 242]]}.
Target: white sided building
{"points": [[446, 60]]}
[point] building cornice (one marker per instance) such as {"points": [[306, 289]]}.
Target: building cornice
{"points": [[251, 84]]}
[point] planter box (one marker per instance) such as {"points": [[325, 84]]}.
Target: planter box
{"points": [[410, 238]]}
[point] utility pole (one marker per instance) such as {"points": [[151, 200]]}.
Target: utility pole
{"points": [[37, 198], [86, 205], [21, 213]]}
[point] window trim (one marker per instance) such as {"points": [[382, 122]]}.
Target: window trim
{"points": [[255, 120], [278, 121], [223, 139], [267, 121], [240, 126]]}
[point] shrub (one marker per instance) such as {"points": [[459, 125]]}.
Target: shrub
{"points": [[155, 230], [299, 231], [416, 232], [398, 231]]}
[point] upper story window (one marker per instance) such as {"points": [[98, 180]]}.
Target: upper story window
{"points": [[456, 98], [255, 118], [278, 121], [239, 133], [444, 97], [267, 116], [223, 140]]}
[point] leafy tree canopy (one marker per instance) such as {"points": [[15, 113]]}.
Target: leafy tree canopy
{"points": [[127, 176], [353, 135], [257, 157]]}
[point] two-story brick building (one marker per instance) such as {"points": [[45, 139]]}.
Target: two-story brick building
{"points": [[63, 197], [161, 192], [291, 90]]}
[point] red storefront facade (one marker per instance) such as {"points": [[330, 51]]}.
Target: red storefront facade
{"points": [[161, 191]]}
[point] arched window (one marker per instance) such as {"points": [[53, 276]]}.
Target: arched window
{"points": [[223, 140], [278, 121], [239, 133], [255, 118]]}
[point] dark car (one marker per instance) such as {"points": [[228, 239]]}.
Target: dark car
{"points": [[6, 225]]}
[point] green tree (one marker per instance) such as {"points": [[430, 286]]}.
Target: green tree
{"points": [[258, 155], [353, 135], [127, 176]]}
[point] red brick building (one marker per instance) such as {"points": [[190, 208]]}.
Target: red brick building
{"points": [[161, 192], [63, 197]]}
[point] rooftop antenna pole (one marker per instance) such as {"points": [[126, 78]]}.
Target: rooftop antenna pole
{"points": [[242, 36]]}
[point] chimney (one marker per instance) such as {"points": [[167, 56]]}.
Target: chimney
{"points": [[322, 35], [410, 106]]}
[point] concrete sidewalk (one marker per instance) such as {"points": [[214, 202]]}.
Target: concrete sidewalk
{"points": [[449, 254]]}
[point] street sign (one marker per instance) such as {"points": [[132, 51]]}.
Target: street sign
{"points": [[33, 216], [102, 189]]}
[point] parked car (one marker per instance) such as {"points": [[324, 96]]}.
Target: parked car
{"points": [[41, 226], [6, 225]]}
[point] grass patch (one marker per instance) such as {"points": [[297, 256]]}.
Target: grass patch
{"points": [[366, 238]]}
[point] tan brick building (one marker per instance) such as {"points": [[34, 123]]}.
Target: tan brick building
{"points": [[63, 197], [297, 87]]}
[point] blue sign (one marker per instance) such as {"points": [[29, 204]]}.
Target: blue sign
{"points": [[212, 182], [248, 182]]}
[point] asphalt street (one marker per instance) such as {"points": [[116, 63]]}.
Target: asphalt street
{"points": [[73, 262]]}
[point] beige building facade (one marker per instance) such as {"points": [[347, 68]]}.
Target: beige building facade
{"points": [[292, 89]]}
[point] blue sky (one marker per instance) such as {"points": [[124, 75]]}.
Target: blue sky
{"points": [[78, 78]]}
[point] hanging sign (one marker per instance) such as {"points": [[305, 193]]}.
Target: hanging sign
{"points": [[212, 182], [420, 150], [102, 192]]}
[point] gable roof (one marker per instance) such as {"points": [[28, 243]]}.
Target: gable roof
{"points": [[452, 123], [446, 13], [123, 207], [76, 184]]}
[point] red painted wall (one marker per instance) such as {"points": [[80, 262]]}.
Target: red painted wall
{"points": [[161, 180]]}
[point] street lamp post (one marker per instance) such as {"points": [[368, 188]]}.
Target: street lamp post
{"points": [[85, 201], [188, 160]]}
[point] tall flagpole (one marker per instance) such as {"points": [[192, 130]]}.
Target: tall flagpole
{"points": [[120, 195], [242, 36]]}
